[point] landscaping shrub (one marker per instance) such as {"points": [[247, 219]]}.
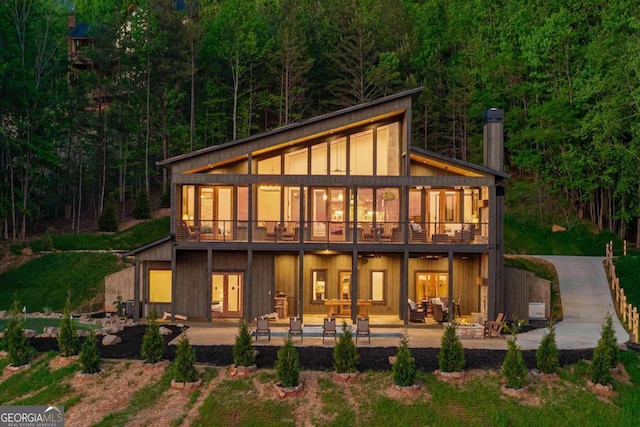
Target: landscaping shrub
{"points": [[345, 353], [108, 220], [68, 343], [141, 206], [608, 336], [404, 368], [287, 365], [513, 368], [184, 369], [605, 355], [451, 356], [243, 353], [90, 360], [152, 343], [16, 342], [547, 355]]}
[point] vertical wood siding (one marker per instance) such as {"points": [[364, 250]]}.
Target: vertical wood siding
{"points": [[516, 294]]}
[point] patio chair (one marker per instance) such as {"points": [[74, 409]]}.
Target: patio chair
{"points": [[329, 328], [192, 232], [295, 327], [493, 328], [262, 328], [362, 328], [440, 312], [416, 314]]}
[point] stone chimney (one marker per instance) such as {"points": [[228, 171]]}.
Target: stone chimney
{"points": [[494, 139], [71, 20]]}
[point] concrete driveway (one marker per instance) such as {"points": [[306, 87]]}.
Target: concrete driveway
{"points": [[586, 300]]}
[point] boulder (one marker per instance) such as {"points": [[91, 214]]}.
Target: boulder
{"points": [[111, 340], [165, 331], [50, 330]]}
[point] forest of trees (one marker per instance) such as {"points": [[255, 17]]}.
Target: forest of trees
{"points": [[171, 76]]}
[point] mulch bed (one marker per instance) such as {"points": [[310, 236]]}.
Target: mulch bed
{"points": [[311, 358]]}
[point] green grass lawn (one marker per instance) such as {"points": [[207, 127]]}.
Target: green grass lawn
{"points": [[42, 284], [531, 238], [628, 271]]}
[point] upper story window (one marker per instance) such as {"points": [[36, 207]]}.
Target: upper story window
{"points": [[369, 152]]}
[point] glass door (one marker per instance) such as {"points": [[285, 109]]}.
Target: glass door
{"points": [[226, 295]]}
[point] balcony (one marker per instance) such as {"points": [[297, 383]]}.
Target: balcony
{"points": [[332, 232]]}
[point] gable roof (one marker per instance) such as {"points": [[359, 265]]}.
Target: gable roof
{"points": [[456, 162]]}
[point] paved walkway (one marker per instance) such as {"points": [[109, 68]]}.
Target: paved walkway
{"points": [[586, 299]]}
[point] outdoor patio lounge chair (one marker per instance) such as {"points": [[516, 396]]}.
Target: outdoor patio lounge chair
{"points": [[262, 328], [416, 314], [493, 328], [295, 327], [329, 328], [362, 328], [440, 312]]}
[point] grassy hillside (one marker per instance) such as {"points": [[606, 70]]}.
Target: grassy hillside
{"points": [[42, 283], [628, 271], [526, 236]]}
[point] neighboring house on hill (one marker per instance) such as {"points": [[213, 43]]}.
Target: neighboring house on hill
{"points": [[337, 213]]}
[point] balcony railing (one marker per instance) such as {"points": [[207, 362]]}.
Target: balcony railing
{"points": [[332, 232]]}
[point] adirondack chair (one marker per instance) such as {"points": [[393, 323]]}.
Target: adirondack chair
{"points": [[493, 328]]}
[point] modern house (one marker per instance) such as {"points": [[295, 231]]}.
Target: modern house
{"points": [[334, 215]]}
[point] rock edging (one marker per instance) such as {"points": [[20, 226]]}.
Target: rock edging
{"points": [[288, 391]]}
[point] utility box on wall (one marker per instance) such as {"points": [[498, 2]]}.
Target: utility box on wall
{"points": [[537, 311]]}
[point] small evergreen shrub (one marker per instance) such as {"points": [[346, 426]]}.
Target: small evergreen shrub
{"points": [[47, 241], [119, 306], [141, 206], [243, 353], [345, 353], [513, 368], [108, 220], [90, 360], [451, 356], [600, 368], [605, 355], [184, 369], [16, 342], [152, 343], [608, 335], [68, 343], [404, 369], [287, 365], [547, 355]]}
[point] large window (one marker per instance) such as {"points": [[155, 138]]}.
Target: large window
{"points": [[378, 286], [361, 153], [160, 286], [188, 204], [338, 153], [295, 162], [319, 285]]}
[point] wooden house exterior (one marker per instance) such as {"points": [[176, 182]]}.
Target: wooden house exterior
{"points": [[334, 214]]}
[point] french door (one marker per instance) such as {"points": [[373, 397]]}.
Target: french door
{"points": [[226, 294]]}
